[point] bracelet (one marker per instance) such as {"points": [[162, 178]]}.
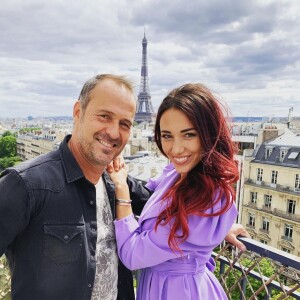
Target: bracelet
{"points": [[123, 204], [123, 201]]}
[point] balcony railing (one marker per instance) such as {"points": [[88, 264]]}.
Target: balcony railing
{"points": [[283, 214], [287, 238], [262, 272], [264, 230], [272, 186], [275, 212]]}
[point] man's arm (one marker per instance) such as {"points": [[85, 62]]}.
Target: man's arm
{"points": [[139, 194], [14, 207]]}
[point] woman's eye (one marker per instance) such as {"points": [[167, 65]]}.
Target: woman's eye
{"points": [[165, 136], [190, 135]]}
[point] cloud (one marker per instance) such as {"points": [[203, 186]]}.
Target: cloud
{"points": [[248, 51]]}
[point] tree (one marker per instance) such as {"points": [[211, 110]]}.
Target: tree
{"points": [[7, 133], [6, 162], [4, 279], [8, 146]]}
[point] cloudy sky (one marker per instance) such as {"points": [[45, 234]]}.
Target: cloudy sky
{"points": [[246, 51]]}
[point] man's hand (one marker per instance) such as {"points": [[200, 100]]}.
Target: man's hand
{"points": [[236, 230], [117, 164]]}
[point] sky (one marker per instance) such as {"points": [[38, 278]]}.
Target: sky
{"points": [[247, 52]]}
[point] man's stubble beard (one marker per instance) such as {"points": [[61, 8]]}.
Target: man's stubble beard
{"points": [[90, 154]]}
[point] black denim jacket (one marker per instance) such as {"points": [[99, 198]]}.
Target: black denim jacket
{"points": [[48, 228]]}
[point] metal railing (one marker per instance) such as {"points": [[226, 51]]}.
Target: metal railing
{"points": [[261, 273]]}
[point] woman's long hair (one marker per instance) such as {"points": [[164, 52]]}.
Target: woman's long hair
{"points": [[213, 177]]}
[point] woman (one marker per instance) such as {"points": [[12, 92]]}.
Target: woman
{"points": [[191, 208]]}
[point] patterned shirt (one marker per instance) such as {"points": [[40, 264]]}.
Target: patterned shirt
{"points": [[106, 278]]}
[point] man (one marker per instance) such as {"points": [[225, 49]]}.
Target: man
{"points": [[57, 210]]}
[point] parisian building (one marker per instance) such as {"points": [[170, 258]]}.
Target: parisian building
{"points": [[270, 208]]}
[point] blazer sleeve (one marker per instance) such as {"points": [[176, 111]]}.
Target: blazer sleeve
{"points": [[15, 207], [140, 193], [153, 183], [139, 248]]}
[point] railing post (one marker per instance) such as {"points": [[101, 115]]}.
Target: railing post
{"points": [[222, 267], [269, 293], [243, 285], [138, 277]]}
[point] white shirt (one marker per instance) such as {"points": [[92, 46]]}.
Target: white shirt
{"points": [[106, 278]]}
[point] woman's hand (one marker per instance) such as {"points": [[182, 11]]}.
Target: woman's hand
{"points": [[123, 209], [116, 164], [234, 231], [118, 177]]}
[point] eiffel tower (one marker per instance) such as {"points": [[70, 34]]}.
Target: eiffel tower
{"points": [[144, 111]]}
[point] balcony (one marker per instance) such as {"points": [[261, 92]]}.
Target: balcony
{"points": [[250, 226], [261, 272], [285, 215], [247, 280], [266, 208], [252, 205], [287, 238], [273, 186], [264, 230]]}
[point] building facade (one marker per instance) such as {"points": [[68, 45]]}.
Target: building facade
{"points": [[271, 193], [34, 144]]}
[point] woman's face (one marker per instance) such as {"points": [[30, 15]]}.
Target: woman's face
{"points": [[180, 140]]}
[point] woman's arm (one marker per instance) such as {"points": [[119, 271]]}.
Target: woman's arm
{"points": [[123, 201]]}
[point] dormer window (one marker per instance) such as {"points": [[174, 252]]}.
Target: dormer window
{"points": [[282, 153], [268, 152]]}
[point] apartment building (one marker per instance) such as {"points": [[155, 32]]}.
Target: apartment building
{"points": [[40, 142], [271, 193]]}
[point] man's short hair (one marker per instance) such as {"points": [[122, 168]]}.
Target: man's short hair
{"points": [[90, 84]]}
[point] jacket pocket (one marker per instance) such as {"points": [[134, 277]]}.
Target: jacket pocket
{"points": [[63, 242]]}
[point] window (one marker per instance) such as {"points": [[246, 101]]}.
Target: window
{"points": [[297, 181], [263, 242], [288, 231], [268, 152], [286, 250], [274, 175], [291, 205], [253, 197], [259, 174], [265, 224], [293, 155], [268, 201], [282, 154], [251, 219]]}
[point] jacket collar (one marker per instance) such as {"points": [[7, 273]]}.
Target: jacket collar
{"points": [[70, 165], [73, 171]]}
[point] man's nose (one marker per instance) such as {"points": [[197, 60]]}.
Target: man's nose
{"points": [[113, 130]]}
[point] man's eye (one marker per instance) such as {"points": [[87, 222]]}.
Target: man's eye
{"points": [[126, 126], [104, 117]]}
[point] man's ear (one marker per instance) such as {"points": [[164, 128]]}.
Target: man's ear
{"points": [[77, 110]]}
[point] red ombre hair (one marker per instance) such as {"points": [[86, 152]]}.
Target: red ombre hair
{"points": [[212, 179]]}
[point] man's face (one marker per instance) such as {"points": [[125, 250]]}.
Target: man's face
{"points": [[103, 129]]}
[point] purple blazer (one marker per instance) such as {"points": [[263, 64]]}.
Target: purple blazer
{"points": [[169, 275]]}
